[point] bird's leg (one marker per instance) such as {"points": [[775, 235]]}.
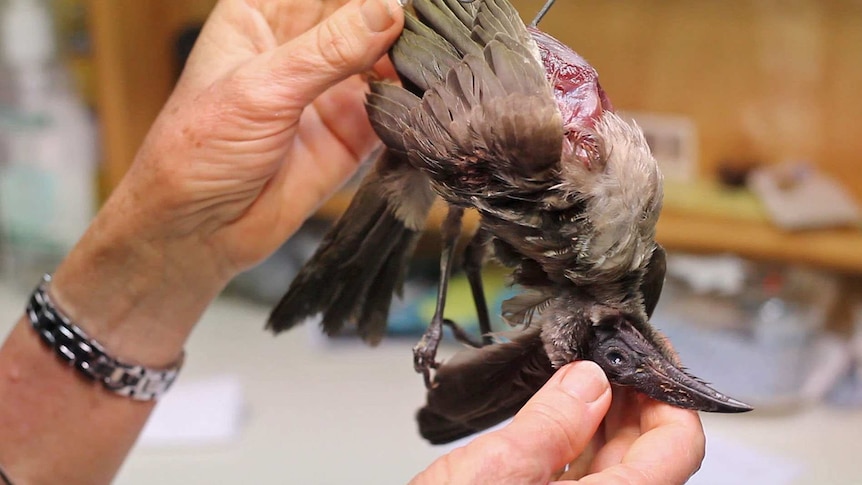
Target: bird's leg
{"points": [[474, 256], [425, 352]]}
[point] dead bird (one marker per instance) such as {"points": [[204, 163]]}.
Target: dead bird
{"points": [[502, 118]]}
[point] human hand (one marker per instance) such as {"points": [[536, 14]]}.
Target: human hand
{"points": [[267, 120], [640, 441]]}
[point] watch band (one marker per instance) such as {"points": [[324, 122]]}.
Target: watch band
{"points": [[74, 347]]}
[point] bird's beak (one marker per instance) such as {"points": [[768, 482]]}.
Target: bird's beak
{"points": [[667, 383], [630, 359]]}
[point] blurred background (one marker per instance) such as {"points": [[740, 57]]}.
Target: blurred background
{"points": [[752, 108]]}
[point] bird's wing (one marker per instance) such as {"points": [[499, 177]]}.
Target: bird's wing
{"points": [[479, 388], [653, 280], [651, 287], [477, 107]]}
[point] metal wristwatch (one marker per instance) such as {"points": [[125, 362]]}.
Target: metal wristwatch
{"points": [[74, 347]]}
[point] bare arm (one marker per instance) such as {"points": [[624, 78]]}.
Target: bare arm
{"points": [[246, 148]]}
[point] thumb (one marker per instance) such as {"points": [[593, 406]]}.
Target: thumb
{"points": [[556, 425], [551, 430], [348, 42]]}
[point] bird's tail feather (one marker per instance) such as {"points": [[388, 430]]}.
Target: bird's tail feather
{"points": [[358, 266]]}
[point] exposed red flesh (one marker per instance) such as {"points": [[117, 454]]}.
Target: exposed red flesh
{"points": [[576, 83]]}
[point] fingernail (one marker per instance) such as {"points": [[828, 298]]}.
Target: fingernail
{"points": [[586, 381], [376, 14]]}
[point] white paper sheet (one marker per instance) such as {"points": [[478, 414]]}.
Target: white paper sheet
{"points": [[196, 413], [730, 462]]}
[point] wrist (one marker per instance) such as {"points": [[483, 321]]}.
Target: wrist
{"points": [[136, 291]]}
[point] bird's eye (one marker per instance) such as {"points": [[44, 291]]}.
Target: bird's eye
{"points": [[615, 358]]}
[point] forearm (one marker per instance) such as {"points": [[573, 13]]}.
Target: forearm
{"points": [[244, 149], [134, 288], [57, 426], [134, 298]]}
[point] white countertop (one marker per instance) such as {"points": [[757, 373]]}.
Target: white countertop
{"points": [[343, 413]]}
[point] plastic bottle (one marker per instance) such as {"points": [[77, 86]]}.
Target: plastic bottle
{"points": [[48, 167]]}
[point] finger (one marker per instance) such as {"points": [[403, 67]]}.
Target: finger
{"points": [[549, 431], [237, 31], [558, 423], [622, 428], [582, 465], [681, 429], [341, 111], [624, 412], [348, 42], [670, 450], [288, 19], [619, 430], [384, 69], [657, 414]]}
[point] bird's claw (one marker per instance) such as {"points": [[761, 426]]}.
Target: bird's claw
{"points": [[424, 359]]}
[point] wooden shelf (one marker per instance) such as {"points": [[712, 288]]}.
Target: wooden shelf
{"points": [[835, 249], [838, 250]]}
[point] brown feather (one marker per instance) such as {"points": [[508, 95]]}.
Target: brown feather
{"points": [[359, 264]]}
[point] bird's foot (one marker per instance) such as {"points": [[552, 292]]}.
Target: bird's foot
{"points": [[425, 356]]}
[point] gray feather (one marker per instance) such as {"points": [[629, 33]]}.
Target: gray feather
{"points": [[448, 25], [521, 308]]}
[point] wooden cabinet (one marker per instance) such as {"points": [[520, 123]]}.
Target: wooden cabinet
{"points": [[135, 65]]}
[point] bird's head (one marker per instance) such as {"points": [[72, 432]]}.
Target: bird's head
{"points": [[643, 361]]}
